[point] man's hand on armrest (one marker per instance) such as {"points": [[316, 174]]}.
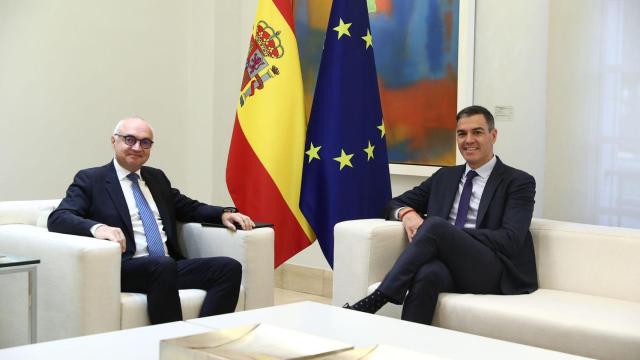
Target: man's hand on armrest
{"points": [[112, 234], [411, 222], [229, 219]]}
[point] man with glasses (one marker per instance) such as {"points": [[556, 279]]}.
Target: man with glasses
{"points": [[136, 207]]}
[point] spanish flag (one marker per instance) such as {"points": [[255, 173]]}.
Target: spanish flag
{"points": [[264, 168]]}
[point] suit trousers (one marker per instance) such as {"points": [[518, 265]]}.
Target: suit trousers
{"points": [[440, 258], [160, 277]]}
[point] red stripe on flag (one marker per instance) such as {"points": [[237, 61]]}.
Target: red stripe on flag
{"points": [[264, 202], [286, 9]]}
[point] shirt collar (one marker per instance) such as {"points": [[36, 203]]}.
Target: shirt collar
{"points": [[483, 171], [122, 172]]}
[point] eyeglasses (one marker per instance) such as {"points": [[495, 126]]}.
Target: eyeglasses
{"points": [[131, 140]]}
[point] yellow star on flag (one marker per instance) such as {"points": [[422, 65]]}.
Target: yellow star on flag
{"points": [[344, 159], [368, 40], [313, 152], [381, 128], [342, 29], [369, 151]]}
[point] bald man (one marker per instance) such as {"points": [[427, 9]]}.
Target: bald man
{"points": [[135, 206]]}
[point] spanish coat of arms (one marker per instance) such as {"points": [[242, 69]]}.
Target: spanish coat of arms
{"points": [[265, 44]]}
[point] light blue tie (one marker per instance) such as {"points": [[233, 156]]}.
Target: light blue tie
{"points": [[151, 230]]}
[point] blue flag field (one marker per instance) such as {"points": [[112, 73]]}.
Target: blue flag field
{"points": [[346, 170]]}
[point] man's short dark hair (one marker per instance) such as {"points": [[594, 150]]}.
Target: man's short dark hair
{"points": [[477, 110]]}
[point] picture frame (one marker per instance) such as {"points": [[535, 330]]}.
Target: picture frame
{"points": [[311, 19]]}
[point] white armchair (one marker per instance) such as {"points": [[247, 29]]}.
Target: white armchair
{"points": [[79, 277], [588, 301], [364, 251]]}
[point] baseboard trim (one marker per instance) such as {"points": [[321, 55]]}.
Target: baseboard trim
{"points": [[305, 279]]}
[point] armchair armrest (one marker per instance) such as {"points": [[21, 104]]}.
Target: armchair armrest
{"points": [[78, 280], [364, 251], [254, 249]]}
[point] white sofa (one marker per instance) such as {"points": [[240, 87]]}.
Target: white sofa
{"points": [[79, 277], [588, 302]]}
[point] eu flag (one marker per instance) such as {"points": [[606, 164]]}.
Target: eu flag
{"points": [[346, 172]]}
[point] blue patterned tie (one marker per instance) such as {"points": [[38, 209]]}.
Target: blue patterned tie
{"points": [[465, 198], [151, 230]]}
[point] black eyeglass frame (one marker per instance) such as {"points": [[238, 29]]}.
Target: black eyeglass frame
{"points": [[131, 140]]}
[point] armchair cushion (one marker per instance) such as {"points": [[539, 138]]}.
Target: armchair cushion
{"points": [[133, 307], [34, 212], [364, 252], [593, 326], [253, 247]]}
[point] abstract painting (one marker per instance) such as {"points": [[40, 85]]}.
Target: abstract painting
{"points": [[416, 51]]}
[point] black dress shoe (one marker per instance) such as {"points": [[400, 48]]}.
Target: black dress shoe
{"points": [[347, 306]]}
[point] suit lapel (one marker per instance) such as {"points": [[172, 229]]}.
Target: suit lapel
{"points": [[449, 194], [156, 191], [112, 183], [489, 189]]}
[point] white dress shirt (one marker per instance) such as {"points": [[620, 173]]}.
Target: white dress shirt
{"points": [[479, 183], [136, 221]]}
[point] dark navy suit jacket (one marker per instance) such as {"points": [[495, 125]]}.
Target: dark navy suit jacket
{"points": [[504, 217], [95, 197]]}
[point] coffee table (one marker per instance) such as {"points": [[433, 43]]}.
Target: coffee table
{"points": [[135, 344], [358, 329], [12, 264], [364, 330]]}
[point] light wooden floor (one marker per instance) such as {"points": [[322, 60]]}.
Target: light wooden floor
{"points": [[284, 296]]}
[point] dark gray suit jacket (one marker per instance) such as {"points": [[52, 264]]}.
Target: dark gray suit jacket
{"points": [[95, 197], [503, 221]]}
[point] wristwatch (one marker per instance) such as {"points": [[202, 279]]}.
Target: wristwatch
{"points": [[229, 209]]}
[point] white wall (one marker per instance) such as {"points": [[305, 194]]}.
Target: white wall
{"points": [[511, 70], [593, 158], [70, 69], [197, 144]]}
